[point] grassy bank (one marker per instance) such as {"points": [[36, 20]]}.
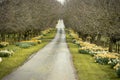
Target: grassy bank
{"points": [[86, 67], [21, 55]]}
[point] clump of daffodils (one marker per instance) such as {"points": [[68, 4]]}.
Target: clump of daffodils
{"points": [[6, 53], [32, 41], [73, 34], [37, 38], [46, 31], [107, 55], [93, 48], [4, 44]]}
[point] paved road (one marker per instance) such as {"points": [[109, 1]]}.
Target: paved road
{"points": [[53, 62]]}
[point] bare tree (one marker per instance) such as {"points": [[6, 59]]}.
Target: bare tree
{"points": [[94, 18]]}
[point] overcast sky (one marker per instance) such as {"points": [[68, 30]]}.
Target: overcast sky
{"points": [[61, 1]]}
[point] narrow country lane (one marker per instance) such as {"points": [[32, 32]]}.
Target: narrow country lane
{"points": [[53, 62]]}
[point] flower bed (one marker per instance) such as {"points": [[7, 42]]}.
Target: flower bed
{"points": [[106, 58], [101, 55]]}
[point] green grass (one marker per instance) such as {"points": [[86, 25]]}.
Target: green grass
{"points": [[86, 67], [21, 55]]}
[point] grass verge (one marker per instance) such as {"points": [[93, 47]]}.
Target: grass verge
{"points": [[21, 55], [86, 67]]}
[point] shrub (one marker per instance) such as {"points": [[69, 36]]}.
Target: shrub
{"points": [[4, 44], [6, 53]]}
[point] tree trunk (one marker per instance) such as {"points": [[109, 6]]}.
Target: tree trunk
{"points": [[110, 45], [19, 37], [98, 38], [25, 36], [0, 38], [3, 37], [92, 38], [118, 48], [79, 34]]}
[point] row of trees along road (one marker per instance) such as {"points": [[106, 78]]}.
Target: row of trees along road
{"points": [[23, 19], [99, 19]]}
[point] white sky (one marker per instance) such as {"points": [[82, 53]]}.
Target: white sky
{"points": [[61, 1]]}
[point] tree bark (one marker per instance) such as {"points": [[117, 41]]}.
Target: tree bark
{"points": [[118, 48], [92, 38], [3, 37], [111, 45], [98, 37]]}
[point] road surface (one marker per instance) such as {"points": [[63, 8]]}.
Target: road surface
{"points": [[53, 62]]}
